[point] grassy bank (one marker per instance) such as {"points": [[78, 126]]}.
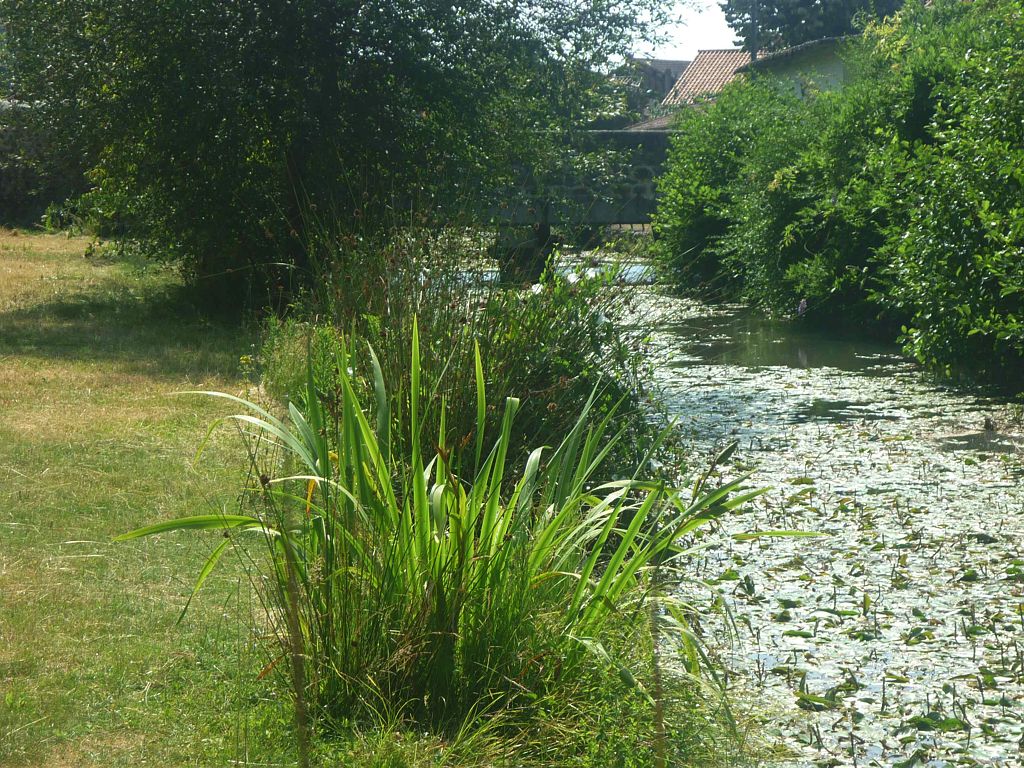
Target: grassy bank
{"points": [[94, 669]]}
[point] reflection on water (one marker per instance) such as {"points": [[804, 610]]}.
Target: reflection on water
{"points": [[629, 273], [988, 441], [738, 336], [836, 410]]}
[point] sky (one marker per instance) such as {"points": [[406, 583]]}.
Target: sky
{"points": [[703, 26]]}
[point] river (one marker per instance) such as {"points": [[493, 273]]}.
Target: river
{"points": [[896, 638]]}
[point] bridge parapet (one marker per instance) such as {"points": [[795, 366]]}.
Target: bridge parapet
{"points": [[625, 197]]}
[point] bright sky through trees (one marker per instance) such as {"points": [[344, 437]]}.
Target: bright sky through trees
{"points": [[702, 26]]}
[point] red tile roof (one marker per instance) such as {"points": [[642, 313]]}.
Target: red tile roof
{"points": [[707, 74]]}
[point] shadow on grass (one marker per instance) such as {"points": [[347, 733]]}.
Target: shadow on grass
{"points": [[156, 332]]}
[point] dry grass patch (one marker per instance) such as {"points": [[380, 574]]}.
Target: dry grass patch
{"points": [[94, 752], [36, 265], [93, 669]]}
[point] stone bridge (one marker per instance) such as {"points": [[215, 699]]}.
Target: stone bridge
{"points": [[626, 196]]}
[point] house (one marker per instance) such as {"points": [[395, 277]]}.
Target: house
{"points": [[811, 66], [655, 77], [708, 73], [705, 76]]}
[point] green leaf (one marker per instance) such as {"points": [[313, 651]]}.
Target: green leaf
{"points": [[207, 568], [196, 523]]}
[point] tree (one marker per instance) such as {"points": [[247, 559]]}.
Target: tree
{"points": [[210, 129], [770, 25]]}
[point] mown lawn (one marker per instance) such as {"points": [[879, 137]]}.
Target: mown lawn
{"points": [[93, 668]]}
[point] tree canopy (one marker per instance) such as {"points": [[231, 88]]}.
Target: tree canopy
{"points": [[210, 129], [768, 25]]}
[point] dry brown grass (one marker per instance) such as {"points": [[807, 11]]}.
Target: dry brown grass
{"points": [[93, 670], [33, 266], [89, 750]]}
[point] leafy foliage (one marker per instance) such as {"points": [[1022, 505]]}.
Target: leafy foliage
{"points": [[895, 201], [709, 167], [783, 23], [550, 345], [208, 129], [419, 586], [953, 258]]}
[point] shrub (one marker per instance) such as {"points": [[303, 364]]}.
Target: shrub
{"points": [[15, 177], [33, 174], [790, 220], [894, 202], [766, 193], [954, 248], [707, 163], [550, 345]]}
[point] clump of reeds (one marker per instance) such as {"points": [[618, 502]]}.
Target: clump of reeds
{"points": [[437, 586]]}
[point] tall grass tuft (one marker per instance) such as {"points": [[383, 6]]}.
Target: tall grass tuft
{"points": [[440, 587]]}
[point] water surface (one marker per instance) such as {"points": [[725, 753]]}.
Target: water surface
{"points": [[897, 638]]}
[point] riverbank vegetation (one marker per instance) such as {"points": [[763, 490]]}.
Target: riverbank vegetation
{"points": [[472, 566], [552, 344], [894, 203], [447, 589], [568, 677], [463, 544]]}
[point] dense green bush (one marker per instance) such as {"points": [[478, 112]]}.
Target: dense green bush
{"points": [[16, 179], [953, 258], [550, 345], [707, 161], [895, 201]]}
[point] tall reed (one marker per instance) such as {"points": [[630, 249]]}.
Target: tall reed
{"points": [[437, 586], [547, 345]]}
